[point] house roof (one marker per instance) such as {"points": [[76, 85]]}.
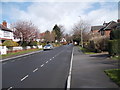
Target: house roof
{"points": [[110, 25], [96, 27], [117, 25], [4, 28]]}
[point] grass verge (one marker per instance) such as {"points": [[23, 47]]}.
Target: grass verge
{"points": [[86, 51], [115, 57], [18, 53], [114, 75]]}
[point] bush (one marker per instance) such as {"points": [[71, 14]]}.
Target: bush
{"points": [[114, 47], [23, 43], [115, 34], [33, 43], [43, 44], [10, 43]]}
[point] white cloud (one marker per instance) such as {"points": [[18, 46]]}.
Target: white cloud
{"points": [[46, 14], [60, 0]]}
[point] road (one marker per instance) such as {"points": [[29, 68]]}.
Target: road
{"points": [[47, 69]]}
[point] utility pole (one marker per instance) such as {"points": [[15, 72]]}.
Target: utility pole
{"points": [[81, 35]]}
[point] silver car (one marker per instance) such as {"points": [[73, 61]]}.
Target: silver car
{"points": [[48, 47]]}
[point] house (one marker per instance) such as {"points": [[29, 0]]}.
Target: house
{"points": [[108, 27], [42, 37], [95, 29], [105, 29], [5, 33], [117, 25]]}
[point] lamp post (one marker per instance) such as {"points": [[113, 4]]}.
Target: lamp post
{"points": [[81, 35]]}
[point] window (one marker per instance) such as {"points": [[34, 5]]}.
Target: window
{"points": [[102, 32], [6, 34]]}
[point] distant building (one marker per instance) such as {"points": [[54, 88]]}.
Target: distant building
{"points": [[42, 37], [5, 33]]}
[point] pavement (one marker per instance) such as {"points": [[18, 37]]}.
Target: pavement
{"points": [[88, 71], [47, 69], [18, 56]]}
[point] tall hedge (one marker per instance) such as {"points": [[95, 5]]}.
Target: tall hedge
{"points": [[114, 47], [115, 34]]}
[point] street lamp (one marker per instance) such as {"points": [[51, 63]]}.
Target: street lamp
{"points": [[81, 34]]}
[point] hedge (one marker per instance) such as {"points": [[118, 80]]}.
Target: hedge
{"points": [[114, 47]]}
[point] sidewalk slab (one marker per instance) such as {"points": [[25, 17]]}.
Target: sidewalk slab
{"points": [[88, 71]]}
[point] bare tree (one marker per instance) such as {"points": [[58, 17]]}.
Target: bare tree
{"points": [[53, 35], [25, 31], [81, 28], [47, 36]]}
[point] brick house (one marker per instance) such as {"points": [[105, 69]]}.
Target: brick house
{"points": [[108, 27], [95, 29], [105, 29]]}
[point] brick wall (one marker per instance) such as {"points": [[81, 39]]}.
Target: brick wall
{"points": [[107, 33]]}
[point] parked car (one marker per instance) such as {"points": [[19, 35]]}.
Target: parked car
{"points": [[48, 47]]}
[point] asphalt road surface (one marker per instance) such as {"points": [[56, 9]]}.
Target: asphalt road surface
{"points": [[47, 69]]}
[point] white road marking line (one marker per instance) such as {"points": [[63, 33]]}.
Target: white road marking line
{"points": [[46, 61], [35, 70], [50, 59], [53, 57], [24, 78], [9, 88], [42, 65], [70, 72]]}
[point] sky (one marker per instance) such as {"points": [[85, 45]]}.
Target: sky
{"points": [[46, 13]]}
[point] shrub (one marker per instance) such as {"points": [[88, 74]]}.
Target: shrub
{"points": [[114, 47], [115, 34], [33, 43], [10, 43], [43, 44], [98, 44], [23, 43]]}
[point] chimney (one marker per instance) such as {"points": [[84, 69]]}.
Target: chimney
{"points": [[118, 20], [104, 24], [4, 23]]}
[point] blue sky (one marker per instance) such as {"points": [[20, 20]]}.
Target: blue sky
{"points": [[46, 14]]}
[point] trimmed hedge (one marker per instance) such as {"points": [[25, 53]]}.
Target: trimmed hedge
{"points": [[114, 47]]}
